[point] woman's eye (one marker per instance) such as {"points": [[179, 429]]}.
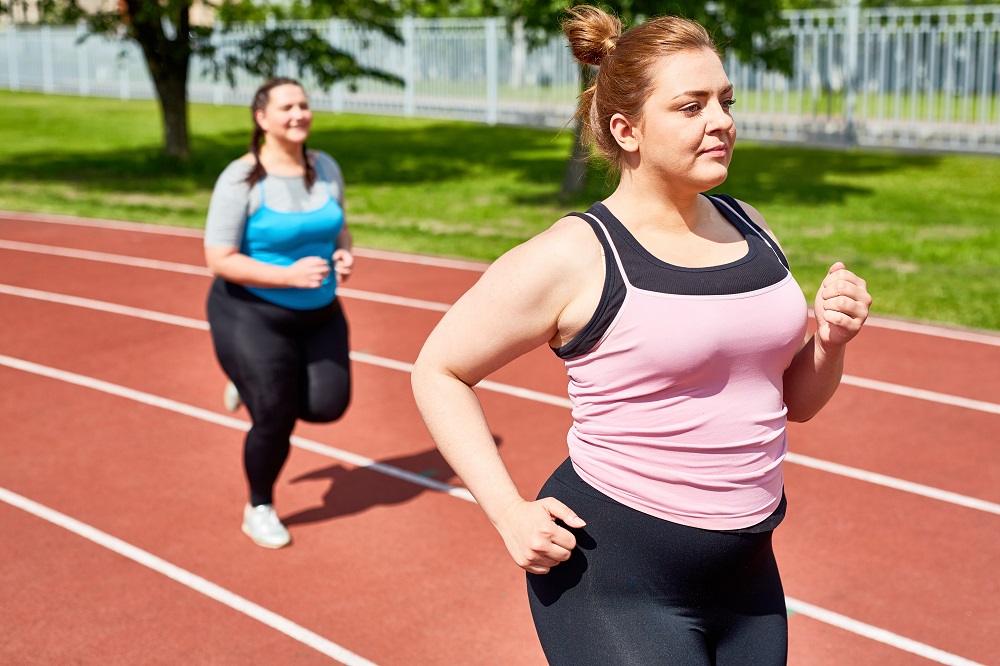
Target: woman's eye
{"points": [[728, 104], [692, 108]]}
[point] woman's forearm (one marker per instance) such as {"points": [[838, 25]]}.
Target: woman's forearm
{"points": [[812, 379], [458, 426], [241, 269]]}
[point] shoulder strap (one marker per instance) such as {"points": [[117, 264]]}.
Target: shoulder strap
{"points": [[322, 174], [741, 214], [611, 257]]}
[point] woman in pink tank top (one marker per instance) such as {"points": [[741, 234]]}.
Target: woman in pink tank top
{"points": [[682, 332]]}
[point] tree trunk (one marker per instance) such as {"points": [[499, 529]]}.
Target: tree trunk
{"points": [[575, 177], [172, 91], [168, 58]]}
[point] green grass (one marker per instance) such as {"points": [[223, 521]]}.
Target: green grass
{"points": [[922, 229]]}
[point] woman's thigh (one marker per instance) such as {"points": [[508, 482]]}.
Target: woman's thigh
{"points": [[325, 377], [640, 590], [256, 350]]}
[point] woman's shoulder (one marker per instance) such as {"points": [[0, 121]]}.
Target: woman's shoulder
{"points": [[568, 249], [238, 170], [324, 160]]}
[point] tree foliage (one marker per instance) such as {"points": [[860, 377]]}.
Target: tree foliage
{"points": [[168, 39]]}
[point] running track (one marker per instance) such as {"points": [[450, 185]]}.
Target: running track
{"points": [[121, 487]]}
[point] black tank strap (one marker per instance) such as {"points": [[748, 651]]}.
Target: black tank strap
{"points": [[743, 217], [613, 293]]}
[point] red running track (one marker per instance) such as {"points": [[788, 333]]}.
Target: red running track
{"points": [[121, 482]]}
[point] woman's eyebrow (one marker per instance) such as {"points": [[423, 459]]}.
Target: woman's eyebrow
{"points": [[704, 93]]}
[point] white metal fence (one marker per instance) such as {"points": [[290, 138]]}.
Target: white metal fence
{"points": [[908, 79]]}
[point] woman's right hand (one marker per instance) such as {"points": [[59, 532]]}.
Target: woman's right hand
{"points": [[533, 538], [308, 272]]}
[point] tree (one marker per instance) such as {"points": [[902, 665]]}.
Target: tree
{"points": [[164, 31]]}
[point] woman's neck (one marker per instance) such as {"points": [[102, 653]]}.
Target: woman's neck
{"points": [[282, 159], [639, 203]]}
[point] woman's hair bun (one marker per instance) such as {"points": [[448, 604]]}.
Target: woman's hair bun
{"points": [[592, 33]]}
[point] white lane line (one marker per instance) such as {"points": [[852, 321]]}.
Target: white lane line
{"points": [[388, 299], [894, 483], [228, 422], [922, 394], [919, 328], [97, 223], [860, 382], [186, 578], [103, 306], [189, 269], [934, 331], [528, 394], [104, 257], [385, 255], [829, 617], [876, 634]]}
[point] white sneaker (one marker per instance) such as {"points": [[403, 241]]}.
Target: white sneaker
{"points": [[231, 397], [261, 524]]}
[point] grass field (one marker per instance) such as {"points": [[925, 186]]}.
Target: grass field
{"points": [[923, 230]]}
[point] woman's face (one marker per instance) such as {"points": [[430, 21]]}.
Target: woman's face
{"points": [[287, 116], [687, 132]]}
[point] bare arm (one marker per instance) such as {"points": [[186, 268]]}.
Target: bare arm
{"points": [[516, 306], [343, 255], [841, 308], [232, 265]]}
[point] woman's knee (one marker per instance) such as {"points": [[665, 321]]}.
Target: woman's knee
{"points": [[326, 407]]}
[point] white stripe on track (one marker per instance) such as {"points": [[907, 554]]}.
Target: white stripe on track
{"points": [[860, 382], [388, 299], [186, 578], [820, 614], [189, 269], [104, 306], [919, 328], [535, 396], [894, 483], [104, 257], [983, 338], [876, 634], [922, 394], [97, 223], [228, 422], [385, 255]]}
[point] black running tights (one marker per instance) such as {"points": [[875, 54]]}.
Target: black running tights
{"points": [[641, 591], [286, 364]]}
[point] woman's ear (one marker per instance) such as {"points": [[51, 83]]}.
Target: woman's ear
{"points": [[258, 117], [625, 133]]}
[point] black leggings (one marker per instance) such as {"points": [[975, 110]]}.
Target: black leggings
{"points": [[639, 590], [286, 364]]}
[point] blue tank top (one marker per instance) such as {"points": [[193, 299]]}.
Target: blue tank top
{"points": [[281, 239]]}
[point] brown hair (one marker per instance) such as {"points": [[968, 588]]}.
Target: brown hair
{"points": [[626, 62], [260, 100]]}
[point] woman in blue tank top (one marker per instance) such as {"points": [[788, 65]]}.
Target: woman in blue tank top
{"points": [[277, 242]]}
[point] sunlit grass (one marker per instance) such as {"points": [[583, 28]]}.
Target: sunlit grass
{"points": [[922, 229]]}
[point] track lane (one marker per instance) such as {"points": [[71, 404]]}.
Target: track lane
{"points": [[176, 490], [873, 443], [69, 601], [915, 565], [925, 379], [403, 393]]}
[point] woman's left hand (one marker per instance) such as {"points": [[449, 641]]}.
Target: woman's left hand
{"points": [[841, 307], [343, 264]]}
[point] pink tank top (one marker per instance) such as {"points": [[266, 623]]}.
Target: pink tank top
{"points": [[678, 410]]}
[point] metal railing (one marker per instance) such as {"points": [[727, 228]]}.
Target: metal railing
{"points": [[901, 78]]}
